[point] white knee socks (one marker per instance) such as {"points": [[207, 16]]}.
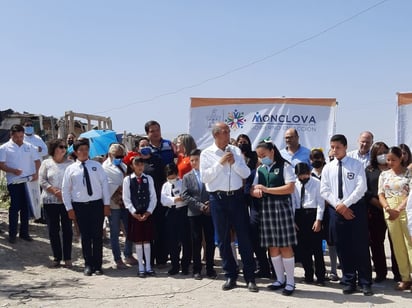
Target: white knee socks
{"points": [[139, 253], [289, 264], [279, 268], [146, 247]]}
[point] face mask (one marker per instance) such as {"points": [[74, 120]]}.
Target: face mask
{"points": [[317, 164], [245, 147], [28, 130], [172, 181], [146, 150], [69, 142], [266, 161], [381, 159], [117, 161]]}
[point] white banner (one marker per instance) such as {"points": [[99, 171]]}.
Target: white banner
{"points": [[404, 119], [260, 118]]}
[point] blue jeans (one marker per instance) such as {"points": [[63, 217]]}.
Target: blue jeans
{"points": [[227, 212], [117, 216]]}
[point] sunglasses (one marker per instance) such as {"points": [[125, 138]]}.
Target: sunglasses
{"points": [[119, 157], [62, 147]]}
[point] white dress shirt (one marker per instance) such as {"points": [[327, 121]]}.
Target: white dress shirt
{"points": [[74, 186], [222, 177], [312, 197], [166, 197], [19, 157], [353, 178], [126, 193]]}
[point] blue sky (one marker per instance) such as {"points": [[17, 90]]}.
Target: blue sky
{"points": [[119, 58]]}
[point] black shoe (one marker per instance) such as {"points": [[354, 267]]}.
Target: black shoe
{"points": [[289, 291], [320, 283], [12, 240], [252, 287], [379, 279], [27, 238], [141, 274], [229, 284], [367, 290], [98, 272], [211, 274], [348, 289], [307, 281], [151, 273], [87, 271], [185, 272], [262, 274], [276, 286], [197, 276], [173, 271]]}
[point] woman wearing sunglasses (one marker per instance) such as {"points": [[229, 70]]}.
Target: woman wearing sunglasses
{"points": [[51, 178]]}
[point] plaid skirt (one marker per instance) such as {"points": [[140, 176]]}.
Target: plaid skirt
{"points": [[277, 223]]}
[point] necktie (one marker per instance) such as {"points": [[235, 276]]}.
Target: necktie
{"points": [[87, 179], [199, 182], [302, 195], [172, 190], [340, 183]]}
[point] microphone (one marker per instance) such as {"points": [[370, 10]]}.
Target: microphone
{"points": [[227, 149]]}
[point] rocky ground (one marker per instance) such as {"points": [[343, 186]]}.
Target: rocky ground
{"points": [[25, 280]]}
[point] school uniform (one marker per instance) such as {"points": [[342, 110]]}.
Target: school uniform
{"points": [[177, 225], [309, 208], [352, 240], [89, 208]]}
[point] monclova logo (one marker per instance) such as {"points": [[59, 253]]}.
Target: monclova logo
{"points": [[283, 119], [235, 119]]}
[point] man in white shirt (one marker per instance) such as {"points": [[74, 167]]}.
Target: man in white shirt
{"points": [[20, 160], [362, 154], [343, 186], [86, 196], [223, 169]]}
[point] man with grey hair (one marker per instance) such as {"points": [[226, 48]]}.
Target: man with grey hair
{"points": [[362, 154], [223, 169]]}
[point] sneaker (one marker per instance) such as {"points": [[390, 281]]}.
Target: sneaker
{"points": [[131, 260]]}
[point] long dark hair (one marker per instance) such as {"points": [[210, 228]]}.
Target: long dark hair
{"points": [[373, 162], [406, 149]]}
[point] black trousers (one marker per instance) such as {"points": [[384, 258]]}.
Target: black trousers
{"points": [[200, 225], [90, 217], [19, 205], [160, 249], [310, 244], [263, 264], [178, 229], [58, 220], [352, 244]]}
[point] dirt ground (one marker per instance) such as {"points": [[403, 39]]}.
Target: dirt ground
{"points": [[25, 280]]}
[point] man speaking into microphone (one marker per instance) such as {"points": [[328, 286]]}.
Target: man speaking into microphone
{"points": [[222, 169]]}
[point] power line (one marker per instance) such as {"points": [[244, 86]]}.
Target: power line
{"points": [[251, 63]]}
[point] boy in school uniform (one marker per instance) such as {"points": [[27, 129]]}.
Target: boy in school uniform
{"points": [[309, 208], [177, 222]]}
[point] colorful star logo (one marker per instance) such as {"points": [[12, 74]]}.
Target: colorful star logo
{"points": [[235, 119]]}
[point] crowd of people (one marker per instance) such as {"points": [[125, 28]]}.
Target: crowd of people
{"points": [[171, 199]]}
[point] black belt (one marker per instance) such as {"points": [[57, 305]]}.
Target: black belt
{"points": [[88, 202], [223, 193], [307, 210]]}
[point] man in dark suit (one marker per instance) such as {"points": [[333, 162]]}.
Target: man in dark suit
{"points": [[196, 197]]}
